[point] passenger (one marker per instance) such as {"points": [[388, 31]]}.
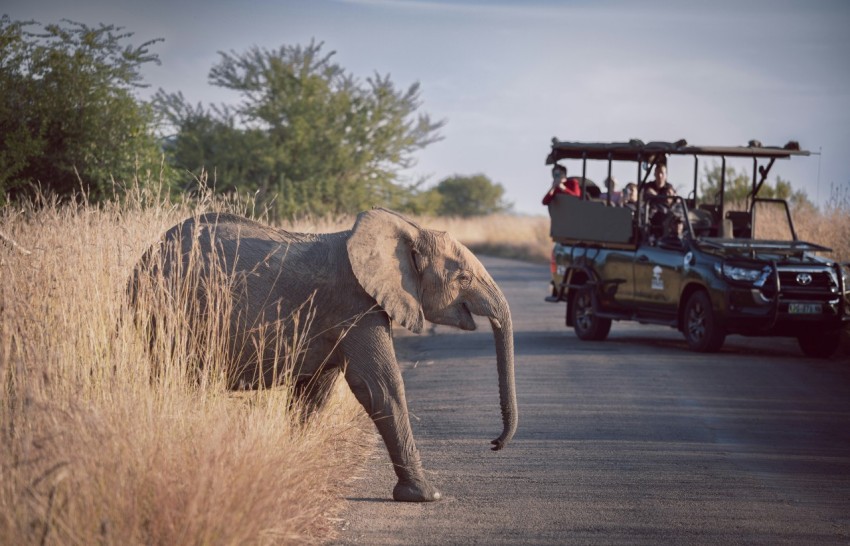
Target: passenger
{"points": [[611, 184], [665, 215], [673, 226], [630, 196], [659, 186], [562, 184]]}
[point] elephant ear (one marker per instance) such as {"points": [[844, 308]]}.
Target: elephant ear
{"points": [[381, 253]]}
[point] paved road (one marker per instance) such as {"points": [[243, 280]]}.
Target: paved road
{"points": [[628, 441]]}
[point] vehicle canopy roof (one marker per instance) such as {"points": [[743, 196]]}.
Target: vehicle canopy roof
{"points": [[637, 150], [647, 154]]}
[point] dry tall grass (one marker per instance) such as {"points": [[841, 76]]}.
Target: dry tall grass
{"points": [[518, 237], [505, 235], [93, 451], [830, 228]]}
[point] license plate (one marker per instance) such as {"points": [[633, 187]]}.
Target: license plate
{"points": [[804, 308]]}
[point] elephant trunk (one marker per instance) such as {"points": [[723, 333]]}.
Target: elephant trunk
{"points": [[504, 337]]}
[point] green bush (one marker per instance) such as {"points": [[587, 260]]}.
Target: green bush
{"points": [[69, 122]]}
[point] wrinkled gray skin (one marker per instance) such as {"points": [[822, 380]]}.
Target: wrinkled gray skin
{"points": [[413, 275]]}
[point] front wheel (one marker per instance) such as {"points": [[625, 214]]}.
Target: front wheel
{"points": [[820, 344], [587, 324], [702, 332]]}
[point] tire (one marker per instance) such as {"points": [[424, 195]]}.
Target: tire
{"points": [[702, 332], [820, 344], [588, 326]]}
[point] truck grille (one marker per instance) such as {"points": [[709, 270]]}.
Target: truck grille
{"points": [[812, 284]]}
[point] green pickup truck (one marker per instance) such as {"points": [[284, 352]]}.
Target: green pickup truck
{"points": [[717, 272]]}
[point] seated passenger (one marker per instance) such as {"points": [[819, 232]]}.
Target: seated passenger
{"points": [[611, 184], [673, 228], [630, 196], [562, 184], [665, 215], [659, 186]]}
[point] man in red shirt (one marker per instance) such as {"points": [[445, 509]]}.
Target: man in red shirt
{"points": [[562, 184]]}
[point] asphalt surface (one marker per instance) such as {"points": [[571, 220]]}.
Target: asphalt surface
{"points": [[634, 440]]}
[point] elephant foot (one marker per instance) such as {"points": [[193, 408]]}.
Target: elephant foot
{"points": [[415, 492]]}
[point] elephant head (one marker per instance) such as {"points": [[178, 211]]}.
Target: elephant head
{"points": [[417, 274]]}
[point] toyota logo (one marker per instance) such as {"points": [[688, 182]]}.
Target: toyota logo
{"points": [[804, 279]]}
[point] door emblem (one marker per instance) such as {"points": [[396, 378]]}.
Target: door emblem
{"points": [[657, 281], [804, 279]]}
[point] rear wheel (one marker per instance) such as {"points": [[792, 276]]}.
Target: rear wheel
{"points": [[820, 344], [587, 324], [702, 332]]}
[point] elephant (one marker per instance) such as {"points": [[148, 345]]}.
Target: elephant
{"points": [[385, 270]]}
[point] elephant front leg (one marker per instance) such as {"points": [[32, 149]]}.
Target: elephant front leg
{"points": [[381, 392]]}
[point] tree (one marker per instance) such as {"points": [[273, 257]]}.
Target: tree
{"points": [[312, 137], [468, 196], [738, 188], [240, 158], [419, 201], [68, 119]]}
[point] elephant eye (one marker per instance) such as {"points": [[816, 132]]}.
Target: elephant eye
{"points": [[465, 279]]}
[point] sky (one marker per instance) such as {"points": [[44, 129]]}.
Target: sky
{"points": [[508, 76]]}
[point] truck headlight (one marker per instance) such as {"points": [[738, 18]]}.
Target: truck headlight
{"points": [[742, 274]]}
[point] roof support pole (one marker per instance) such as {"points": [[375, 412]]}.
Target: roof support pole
{"points": [[754, 192], [584, 175], [696, 177], [639, 193], [764, 171], [722, 187]]}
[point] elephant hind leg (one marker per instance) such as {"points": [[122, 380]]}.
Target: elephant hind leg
{"points": [[313, 392]]}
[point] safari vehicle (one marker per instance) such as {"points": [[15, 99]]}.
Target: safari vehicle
{"points": [[718, 272]]}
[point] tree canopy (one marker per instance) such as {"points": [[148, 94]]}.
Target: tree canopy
{"points": [[466, 196], [739, 185], [68, 119], [305, 137]]}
